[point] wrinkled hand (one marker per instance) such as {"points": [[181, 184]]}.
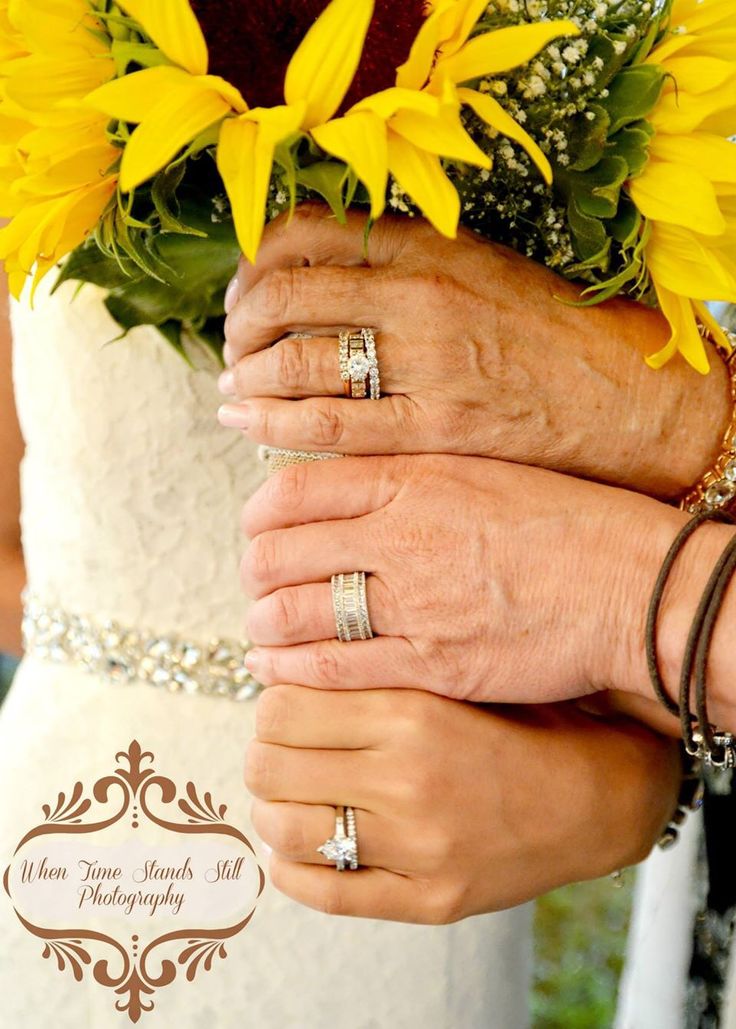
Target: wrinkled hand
{"points": [[556, 797], [478, 352], [487, 581]]}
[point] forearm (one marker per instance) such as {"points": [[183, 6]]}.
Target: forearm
{"points": [[12, 581], [653, 431]]}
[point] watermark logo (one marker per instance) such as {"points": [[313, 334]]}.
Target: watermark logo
{"points": [[154, 881]]}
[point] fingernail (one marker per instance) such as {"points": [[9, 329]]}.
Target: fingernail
{"points": [[227, 355], [226, 384], [253, 661], [266, 848], [230, 416], [232, 294]]}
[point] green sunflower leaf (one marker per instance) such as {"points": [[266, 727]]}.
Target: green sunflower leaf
{"points": [[633, 94], [588, 138], [591, 241]]}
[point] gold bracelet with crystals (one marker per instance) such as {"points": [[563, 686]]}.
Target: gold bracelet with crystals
{"points": [[716, 491]]}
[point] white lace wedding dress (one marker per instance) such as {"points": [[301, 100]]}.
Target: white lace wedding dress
{"points": [[132, 495]]}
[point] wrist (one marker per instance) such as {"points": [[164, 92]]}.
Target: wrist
{"points": [[690, 575], [639, 536], [672, 420]]}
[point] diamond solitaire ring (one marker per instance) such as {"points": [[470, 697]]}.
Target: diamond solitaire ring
{"points": [[359, 365], [342, 848]]}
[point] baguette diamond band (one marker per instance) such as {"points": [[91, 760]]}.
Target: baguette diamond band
{"points": [[350, 604]]}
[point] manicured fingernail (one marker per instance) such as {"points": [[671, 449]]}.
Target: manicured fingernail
{"points": [[266, 848], [226, 384], [253, 661], [233, 417], [228, 356], [232, 294]]}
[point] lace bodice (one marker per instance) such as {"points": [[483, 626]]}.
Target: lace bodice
{"points": [[137, 482]]}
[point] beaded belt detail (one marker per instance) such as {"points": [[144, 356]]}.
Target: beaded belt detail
{"points": [[121, 655]]}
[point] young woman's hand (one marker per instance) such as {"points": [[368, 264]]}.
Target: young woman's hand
{"points": [[480, 350], [459, 809]]}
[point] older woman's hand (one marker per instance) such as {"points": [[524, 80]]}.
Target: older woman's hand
{"points": [[479, 355], [487, 581], [459, 810]]}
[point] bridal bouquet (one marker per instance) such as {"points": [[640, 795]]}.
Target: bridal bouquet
{"points": [[149, 141]]}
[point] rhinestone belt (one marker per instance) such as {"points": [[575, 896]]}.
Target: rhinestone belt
{"points": [[122, 655]]}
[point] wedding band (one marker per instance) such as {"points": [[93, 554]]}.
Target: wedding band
{"points": [[359, 365], [342, 848], [350, 604]]}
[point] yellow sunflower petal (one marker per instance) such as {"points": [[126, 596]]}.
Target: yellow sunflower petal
{"points": [[130, 97], [697, 74], [57, 28], [38, 83], [245, 161], [467, 14], [324, 65], [491, 112], [685, 338], [679, 195], [684, 262], [421, 176], [178, 118], [442, 134], [173, 27], [360, 140], [498, 51], [685, 112], [693, 16], [86, 167], [386, 103], [713, 157], [415, 71]]}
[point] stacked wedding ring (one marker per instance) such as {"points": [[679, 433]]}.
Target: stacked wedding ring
{"points": [[350, 604], [359, 365], [342, 848]]}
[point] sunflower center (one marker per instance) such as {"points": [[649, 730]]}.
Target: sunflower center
{"points": [[251, 43]]}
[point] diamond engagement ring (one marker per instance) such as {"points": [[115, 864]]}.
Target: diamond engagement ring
{"points": [[359, 365], [342, 848], [350, 604]]}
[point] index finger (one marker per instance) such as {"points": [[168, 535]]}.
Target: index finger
{"points": [[313, 236], [313, 719], [321, 491]]}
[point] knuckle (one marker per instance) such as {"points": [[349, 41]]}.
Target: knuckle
{"points": [[291, 363], [331, 900], [259, 769], [307, 214], [272, 711], [325, 667], [446, 904], [286, 836], [260, 564], [276, 295], [325, 425], [289, 487], [284, 615]]}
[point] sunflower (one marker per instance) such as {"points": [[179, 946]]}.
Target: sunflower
{"points": [[687, 191], [55, 158], [403, 130]]}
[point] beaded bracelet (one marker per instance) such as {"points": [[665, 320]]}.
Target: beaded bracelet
{"points": [[692, 792], [716, 491]]}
